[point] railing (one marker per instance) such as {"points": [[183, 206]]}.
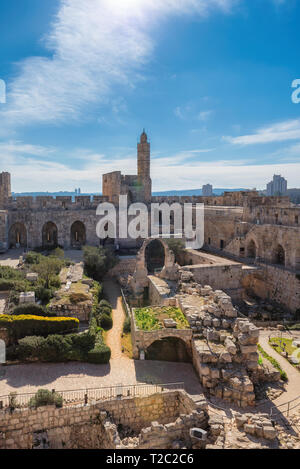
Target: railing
{"points": [[125, 304], [84, 396]]}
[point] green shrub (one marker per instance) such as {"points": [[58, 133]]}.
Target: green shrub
{"points": [[100, 310], [47, 268], [29, 347], [105, 304], [105, 322], [55, 282], [31, 308], [10, 273], [45, 397], [98, 291], [43, 294], [58, 252], [99, 355], [127, 326], [6, 285], [82, 343], [55, 348], [26, 325], [33, 257]]}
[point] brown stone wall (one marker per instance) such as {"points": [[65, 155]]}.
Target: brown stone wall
{"points": [[94, 426]]}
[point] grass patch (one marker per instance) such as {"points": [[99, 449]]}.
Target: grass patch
{"points": [[274, 362], [151, 318], [126, 344], [284, 345]]}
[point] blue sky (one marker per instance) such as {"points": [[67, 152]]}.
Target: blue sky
{"points": [[210, 80]]}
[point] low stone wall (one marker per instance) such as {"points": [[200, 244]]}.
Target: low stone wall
{"points": [[125, 266], [220, 277], [79, 311], [159, 291], [96, 425]]}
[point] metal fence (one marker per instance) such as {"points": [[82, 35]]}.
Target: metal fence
{"points": [[85, 396]]}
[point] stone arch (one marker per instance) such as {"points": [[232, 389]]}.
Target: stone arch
{"points": [[171, 349], [17, 235], [154, 256], [252, 249], [49, 235], [279, 255], [140, 276], [78, 234]]}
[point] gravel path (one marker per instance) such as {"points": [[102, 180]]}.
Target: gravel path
{"points": [[113, 340], [293, 384]]}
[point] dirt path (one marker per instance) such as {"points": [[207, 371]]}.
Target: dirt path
{"points": [[113, 293]]}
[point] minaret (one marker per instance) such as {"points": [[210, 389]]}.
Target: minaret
{"points": [[5, 189], [143, 157]]}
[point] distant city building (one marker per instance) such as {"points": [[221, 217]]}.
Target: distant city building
{"points": [[78, 191], [278, 186], [207, 190]]}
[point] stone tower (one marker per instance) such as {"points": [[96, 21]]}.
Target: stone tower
{"points": [[5, 189], [143, 157]]}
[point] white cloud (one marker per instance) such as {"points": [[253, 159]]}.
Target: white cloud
{"points": [[204, 115], [178, 171], [287, 130], [94, 45], [17, 147]]}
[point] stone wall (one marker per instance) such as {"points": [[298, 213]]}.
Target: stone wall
{"points": [[125, 266], [224, 347], [104, 424], [275, 284]]}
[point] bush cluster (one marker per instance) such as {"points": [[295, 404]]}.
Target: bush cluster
{"points": [[100, 353], [33, 309], [55, 348], [27, 325], [103, 316], [45, 397]]}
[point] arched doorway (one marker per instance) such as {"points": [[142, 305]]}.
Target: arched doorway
{"points": [[155, 256], [49, 235], [251, 249], [170, 349], [78, 234], [279, 255], [18, 236]]}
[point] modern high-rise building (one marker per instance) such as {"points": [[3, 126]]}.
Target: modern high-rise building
{"points": [[207, 190], [278, 186]]}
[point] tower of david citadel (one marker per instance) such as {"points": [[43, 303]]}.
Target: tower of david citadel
{"points": [[251, 243], [211, 304]]}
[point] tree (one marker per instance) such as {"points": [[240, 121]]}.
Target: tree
{"points": [[98, 261], [177, 246], [48, 268]]}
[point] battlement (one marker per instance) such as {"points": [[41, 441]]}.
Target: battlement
{"points": [[59, 202]]}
